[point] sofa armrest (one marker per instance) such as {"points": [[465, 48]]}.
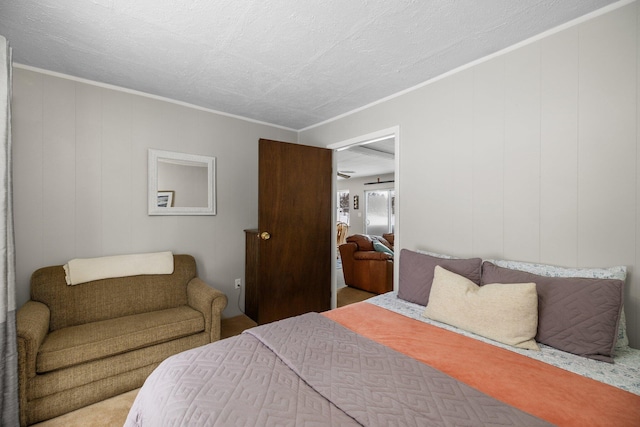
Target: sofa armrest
{"points": [[32, 326], [346, 254], [208, 301], [371, 255]]}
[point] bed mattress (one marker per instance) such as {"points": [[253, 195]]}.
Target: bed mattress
{"points": [[367, 364], [310, 370]]}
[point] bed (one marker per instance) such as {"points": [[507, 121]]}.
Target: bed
{"points": [[383, 362]]}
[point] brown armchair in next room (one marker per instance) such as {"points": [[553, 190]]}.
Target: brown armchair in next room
{"points": [[366, 267]]}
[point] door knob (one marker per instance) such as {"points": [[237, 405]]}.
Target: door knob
{"points": [[265, 236]]}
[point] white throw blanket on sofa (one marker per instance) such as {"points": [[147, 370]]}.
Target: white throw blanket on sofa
{"points": [[82, 270]]}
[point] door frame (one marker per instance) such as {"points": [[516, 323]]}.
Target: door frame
{"points": [[394, 132]]}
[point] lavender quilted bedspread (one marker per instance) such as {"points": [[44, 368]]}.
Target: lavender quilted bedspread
{"points": [[309, 370]]}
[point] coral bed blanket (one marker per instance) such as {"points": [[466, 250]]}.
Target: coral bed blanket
{"points": [[547, 392]]}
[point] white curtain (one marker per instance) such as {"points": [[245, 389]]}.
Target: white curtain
{"points": [[8, 353]]}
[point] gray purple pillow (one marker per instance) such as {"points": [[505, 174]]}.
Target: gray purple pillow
{"points": [[616, 272], [577, 315], [416, 273]]}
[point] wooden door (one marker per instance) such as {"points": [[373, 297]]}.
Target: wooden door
{"points": [[294, 202]]}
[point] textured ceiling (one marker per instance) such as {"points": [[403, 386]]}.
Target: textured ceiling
{"points": [[373, 158], [285, 62]]}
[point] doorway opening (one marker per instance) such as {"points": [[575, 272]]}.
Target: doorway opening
{"points": [[366, 165]]}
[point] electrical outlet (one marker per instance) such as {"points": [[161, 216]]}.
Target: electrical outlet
{"points": [[238, 283]]}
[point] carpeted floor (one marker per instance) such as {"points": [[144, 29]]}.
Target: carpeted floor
{"points": [[113, 412], [108, 413], [348, 295], [235, 325]]}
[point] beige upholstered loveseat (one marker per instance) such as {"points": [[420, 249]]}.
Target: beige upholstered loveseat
{"points": [[81, 344]]}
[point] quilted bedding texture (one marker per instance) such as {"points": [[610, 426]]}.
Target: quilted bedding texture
{"points": [[309, 370]]}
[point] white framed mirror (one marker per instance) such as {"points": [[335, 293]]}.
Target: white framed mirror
{"points": [[181, 184]]}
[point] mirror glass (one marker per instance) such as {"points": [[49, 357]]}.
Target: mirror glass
{"points": [[181, 184]]}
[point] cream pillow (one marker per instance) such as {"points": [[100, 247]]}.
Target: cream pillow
{"points": [[507, 313]]}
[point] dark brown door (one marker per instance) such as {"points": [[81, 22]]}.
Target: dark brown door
{"points": [[294, 202]]}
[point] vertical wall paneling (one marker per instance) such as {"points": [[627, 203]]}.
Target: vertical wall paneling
{"points": [[488, 155], [435, 182], [559, 148], [117, 197], [460, 111], [607, 144], [28, 175], [448, 149], [413, 179], [59, 160], [88, 203], [151, 127], [522, 154]]}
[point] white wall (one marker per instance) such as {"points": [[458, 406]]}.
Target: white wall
{"points": [[530, 155], [80, 178], [356, 187]]}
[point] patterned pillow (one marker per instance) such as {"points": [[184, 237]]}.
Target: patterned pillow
{"points": [[616, 272], [507, 313], [416, 273], [576, 315]]}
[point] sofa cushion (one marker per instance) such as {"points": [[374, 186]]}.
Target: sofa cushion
{"points": [[110, 298], [110, 368], [363, 241], [92, 341]]}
